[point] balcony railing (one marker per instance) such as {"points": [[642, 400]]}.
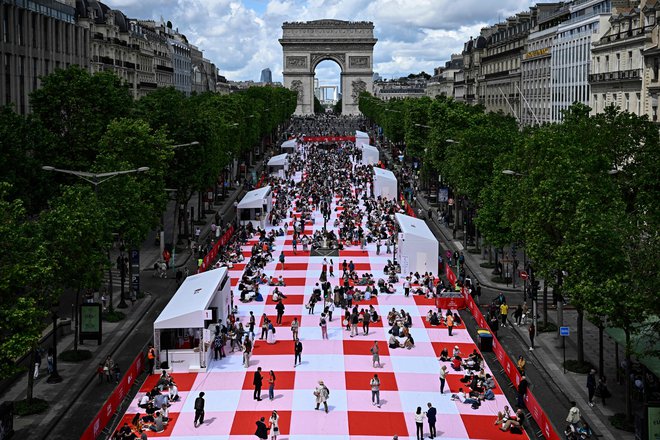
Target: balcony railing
{"points": [[619, 75]]}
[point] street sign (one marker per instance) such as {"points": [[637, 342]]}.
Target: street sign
{"points": [[523, 275], [564, 331], [443, 195]]}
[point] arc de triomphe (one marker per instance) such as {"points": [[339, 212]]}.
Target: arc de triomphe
{"points": [[349, 44]]}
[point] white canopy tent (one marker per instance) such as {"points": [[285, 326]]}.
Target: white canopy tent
{"points": [[361, 138], [279, 164], [255, 206], [370, 155], [291, 145], [417, 249], [385, 184], [182, 333]]}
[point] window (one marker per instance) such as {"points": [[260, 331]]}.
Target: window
{"points": [[19, 28], [5, 24], [630, 60]]}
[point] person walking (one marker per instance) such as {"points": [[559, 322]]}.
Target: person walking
{"points": [[251, 324], [271, 385], [257, 381], [280, 312], [199, 409], [419, 422], [431, 414], [282, 259], [406, 286], [322, 393], [375, 355], [324, 327], [274, 425], [443, 378], [262, 429], [365, 323], [294, 328], [601, 389], [574, 415], [297, 349], [450, 323], [591, 386], [247, 351], [375, 390], [264, 326], [532, 333]]}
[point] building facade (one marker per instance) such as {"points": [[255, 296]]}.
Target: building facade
{"points": [[442, 81], [38, 36], [618, 67], [535, 66], [266, 76], [467, 80], [401, 88], [571, 54]]}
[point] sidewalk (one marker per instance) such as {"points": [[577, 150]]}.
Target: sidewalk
{"points": [[544, 364], [74, 401]]}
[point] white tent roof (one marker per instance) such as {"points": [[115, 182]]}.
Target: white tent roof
{"points": [[278, 160], [290, 143], [414, 226], [380, 173], [361, 134], [254, 198], [185, 309], [370, 151]]}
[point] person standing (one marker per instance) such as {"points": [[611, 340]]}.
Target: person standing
{"points": [[324, 327], [375, 390], [322, 393], [151, 359], [251, 324], [443, 378], [264, 326], [450, 323], [274, 425], [262, 429], [271, 385], [431, 418], [257, 381], [419, 422], [365, 323], [574, 416], [199, 409], [247, 351], [294, 328], [282, 259], [280, 311], [532, 333], [330, 308], [477, 292], [406, 286], [522, 390], [375, 355], [591, 386], [504, 312], [601, 389], [297, 349]]}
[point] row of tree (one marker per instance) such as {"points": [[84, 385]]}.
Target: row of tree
{"points": [[56, 230], [581, 196]]}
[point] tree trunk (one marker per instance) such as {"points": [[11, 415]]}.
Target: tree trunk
{"points": [[560, 319], [110, 286], [490, 255], [545, 303], [601, 360], [580, 336], [30, 378], [627, 378], [200, 207], [75, 318]]}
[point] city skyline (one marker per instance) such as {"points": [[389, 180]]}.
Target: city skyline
{"points": [[241, 37]]}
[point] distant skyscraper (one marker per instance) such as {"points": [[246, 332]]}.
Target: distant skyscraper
{"points": [[376, 77], [266, 76]]}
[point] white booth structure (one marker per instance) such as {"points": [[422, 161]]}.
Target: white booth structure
{"points": [[289, 146], [361, 138], [417, 248], [183, 331], [385, 184], [255, 206], [278, 165], [370, 155]]}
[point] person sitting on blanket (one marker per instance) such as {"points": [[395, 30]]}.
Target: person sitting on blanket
{"points": [[444, 355], [393, 342]]}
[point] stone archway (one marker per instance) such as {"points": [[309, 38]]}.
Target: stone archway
{"points": [[349, 44]]}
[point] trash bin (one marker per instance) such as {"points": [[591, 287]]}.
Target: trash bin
{"points": [[485, 340]]}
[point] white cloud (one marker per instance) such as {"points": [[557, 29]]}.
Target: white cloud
{"points": [[241, 36]]}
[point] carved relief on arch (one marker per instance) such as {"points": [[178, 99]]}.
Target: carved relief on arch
{"points": [[357, 87], [296, 62], [297, 86]]}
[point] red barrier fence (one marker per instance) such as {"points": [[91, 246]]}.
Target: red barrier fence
{"points": [[210, 257], [511, 370], [328, 138], [261, 181], [114, 401], [409, 210]]}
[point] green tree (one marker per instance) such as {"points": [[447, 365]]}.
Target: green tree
{"points": [[76, 107]]}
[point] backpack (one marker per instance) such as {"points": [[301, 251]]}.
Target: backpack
{"points": [[476, 405], [327, 391]]}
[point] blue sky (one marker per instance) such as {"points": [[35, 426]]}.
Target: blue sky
{"points": [[240, 36]]}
